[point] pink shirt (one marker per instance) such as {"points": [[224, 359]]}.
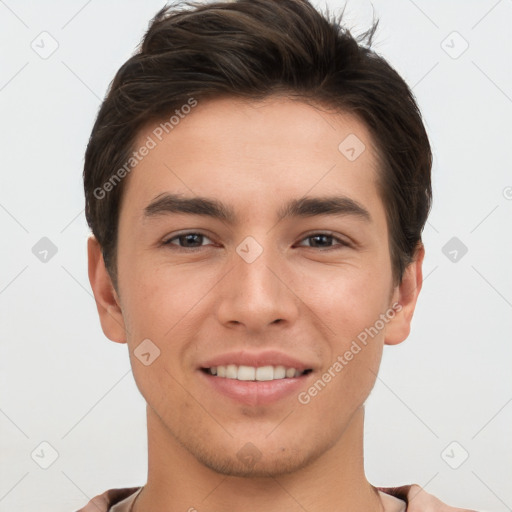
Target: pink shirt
{"points": [[407, 498]]}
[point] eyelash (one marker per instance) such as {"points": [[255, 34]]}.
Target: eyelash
{"points": [[341, 243]]}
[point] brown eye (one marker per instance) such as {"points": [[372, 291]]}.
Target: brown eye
{"points": [[321, 240], [187, 240], [325, 241]]}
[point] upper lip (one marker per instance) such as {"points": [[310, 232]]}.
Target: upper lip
{"points": [[257, 359]]}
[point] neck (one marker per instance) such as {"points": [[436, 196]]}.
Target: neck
{"points": [[334, 481]]}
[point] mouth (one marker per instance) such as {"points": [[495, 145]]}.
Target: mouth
{"points": [[255, 378], [255, 374], [255, 385]]}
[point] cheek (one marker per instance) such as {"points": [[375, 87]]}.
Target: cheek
{"points": [[357, 344], [350, 301], [160, 299], [160, 308], [342, 388]]}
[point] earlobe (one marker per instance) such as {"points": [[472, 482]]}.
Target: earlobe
{"points": [[107, 301], [406, 295]]}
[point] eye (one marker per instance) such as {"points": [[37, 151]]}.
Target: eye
{"points": [[190, 240], [325, 241]]}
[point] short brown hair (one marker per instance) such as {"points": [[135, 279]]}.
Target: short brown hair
{"points": [[253, 49]]}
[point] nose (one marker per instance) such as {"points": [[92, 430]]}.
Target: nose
{"points": [[256, 295]]}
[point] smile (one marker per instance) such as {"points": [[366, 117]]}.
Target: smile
{"points": [[252, 373]]}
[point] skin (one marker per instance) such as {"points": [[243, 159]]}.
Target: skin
{"points": [[308, 297]]}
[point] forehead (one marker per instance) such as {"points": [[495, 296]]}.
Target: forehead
{"points": [[254, 155]]}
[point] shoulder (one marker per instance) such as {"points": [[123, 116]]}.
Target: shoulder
{"points": [[103, 502], [419, 500]]}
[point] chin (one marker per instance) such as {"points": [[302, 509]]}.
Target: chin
{"points": [[251, 462], [265, 467]]}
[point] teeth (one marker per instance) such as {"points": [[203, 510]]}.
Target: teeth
{"points": [[279, 372], [290, 372], [245, 373], [262, 373], [231, 371]]}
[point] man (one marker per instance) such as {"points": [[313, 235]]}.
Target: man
{"points": [[257, 183]]}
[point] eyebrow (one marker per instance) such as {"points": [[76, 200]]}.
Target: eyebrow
{"points": [[166, 203]]}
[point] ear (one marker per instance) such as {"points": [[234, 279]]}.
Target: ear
{"points": [[107, 301], [406, 295]]}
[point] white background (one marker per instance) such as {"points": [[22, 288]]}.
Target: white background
{"points": [[64, 383]]}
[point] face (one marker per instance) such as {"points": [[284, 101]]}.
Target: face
{"points": [[251, 246]]}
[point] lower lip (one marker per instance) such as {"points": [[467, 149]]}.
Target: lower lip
{"points": [[256, 392]]}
